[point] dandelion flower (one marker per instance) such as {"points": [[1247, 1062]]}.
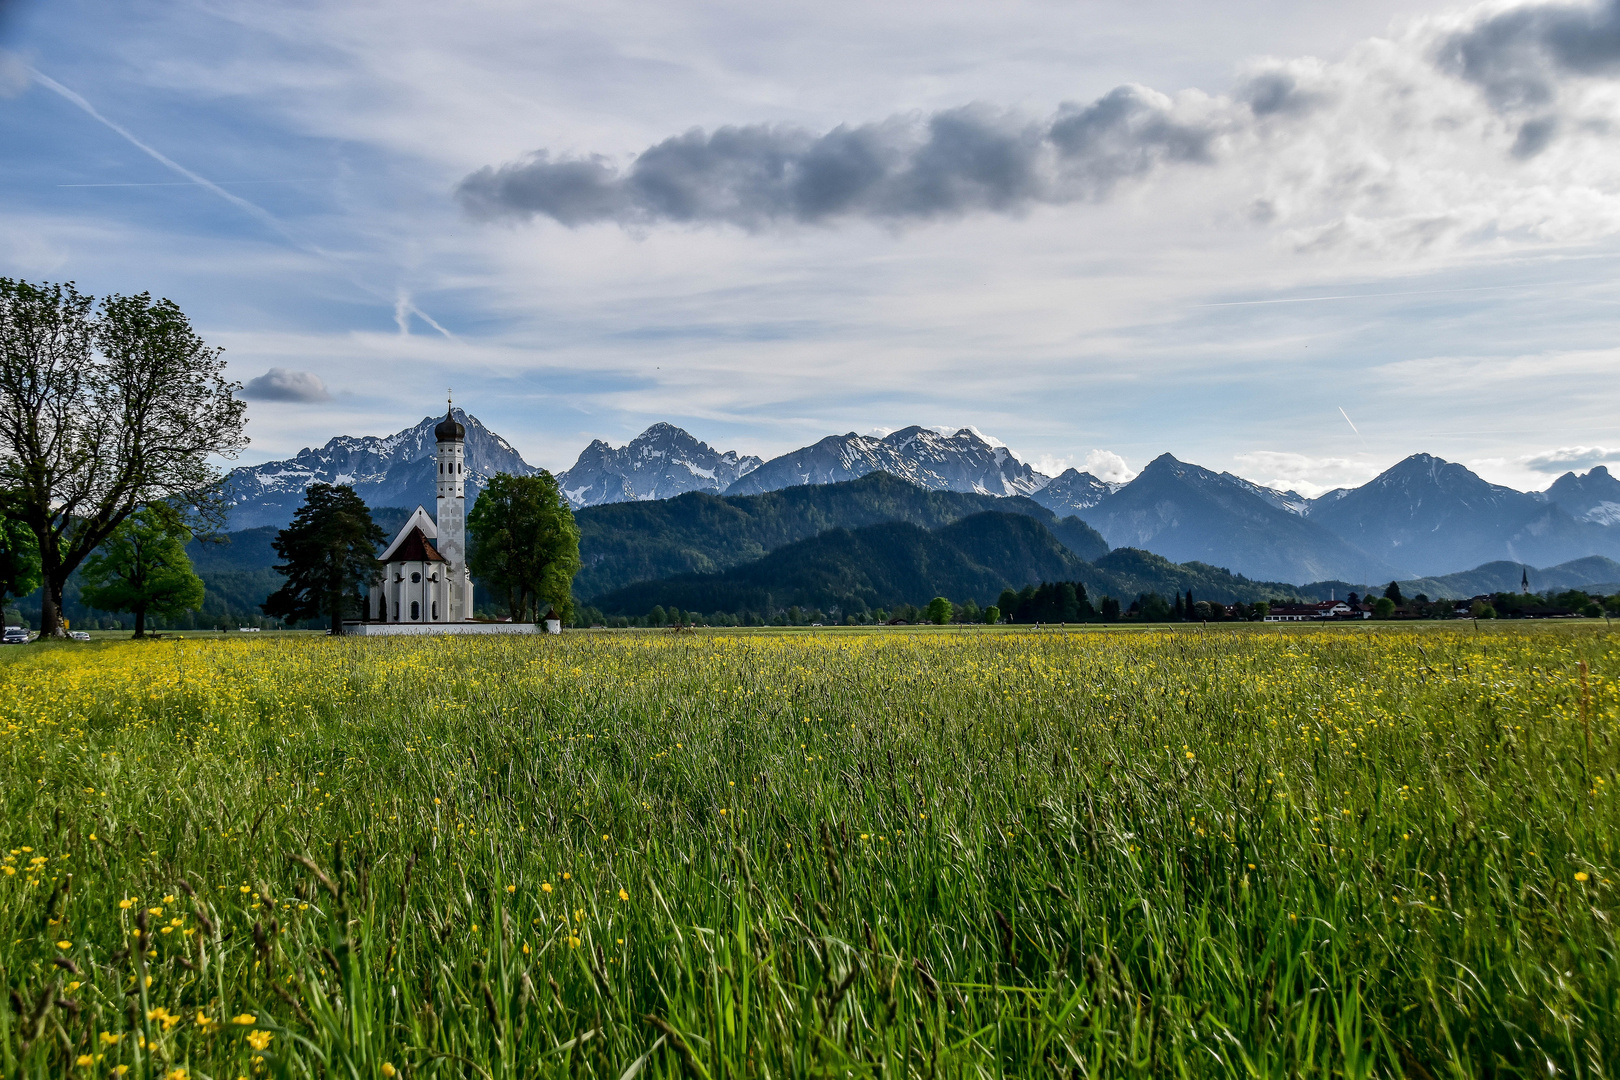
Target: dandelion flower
{"points": [[85, 1061], [259, 1040], [389, 1071], [511, 888], [69, 944], [245, 1019], [1580, 875], [623, 895], [545, 886]]}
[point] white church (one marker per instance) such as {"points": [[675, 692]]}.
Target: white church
{"points": [[425, 586]]}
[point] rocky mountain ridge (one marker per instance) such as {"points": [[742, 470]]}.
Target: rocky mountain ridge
{"points": [[393, 470], [1422, 517]]}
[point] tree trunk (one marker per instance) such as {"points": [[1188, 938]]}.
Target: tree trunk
{"points": [[50, 606], [140, 622]]}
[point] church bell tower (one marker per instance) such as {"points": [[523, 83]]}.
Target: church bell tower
{"points": [[451, 516]]}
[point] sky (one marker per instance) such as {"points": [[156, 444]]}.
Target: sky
{"points": [[1298, 241]]}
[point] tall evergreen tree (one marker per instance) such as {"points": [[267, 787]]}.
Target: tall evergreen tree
{"points": [[328, 552], [143, 568], [525, 544]]}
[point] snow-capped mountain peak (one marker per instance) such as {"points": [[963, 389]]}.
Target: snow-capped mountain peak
{"points": [[661, 462], [961, 460], [386, 470]]}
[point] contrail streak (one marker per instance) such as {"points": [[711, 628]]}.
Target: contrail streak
{"points": [[1353, 427], [193, 183], [253, 210], [1381, 295]]}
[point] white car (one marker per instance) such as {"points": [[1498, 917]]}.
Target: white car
{"points": [[78, 635], [14, 635]]}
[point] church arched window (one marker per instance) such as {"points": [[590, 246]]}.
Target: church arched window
{"points": [[416, 611], [416, 579], [435, 610]]}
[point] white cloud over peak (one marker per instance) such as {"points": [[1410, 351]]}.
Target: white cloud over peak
{"points": [[1310, 476], [1109, 466]]}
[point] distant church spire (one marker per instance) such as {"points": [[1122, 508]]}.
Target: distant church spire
{"points": [[1524, 580]]}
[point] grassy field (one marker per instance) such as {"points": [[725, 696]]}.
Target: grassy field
{"points": [[1346, 851]]}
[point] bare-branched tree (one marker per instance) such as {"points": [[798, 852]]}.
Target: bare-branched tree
{"points": [[104, 408]]}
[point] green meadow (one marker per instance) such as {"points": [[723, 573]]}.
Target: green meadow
{"points": [[1241, 852]]}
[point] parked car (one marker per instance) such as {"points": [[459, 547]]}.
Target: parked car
{"points": [[14, 635], [78, 635]]}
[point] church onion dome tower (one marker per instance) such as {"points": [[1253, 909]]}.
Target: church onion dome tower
{"points": [[448, 430]]}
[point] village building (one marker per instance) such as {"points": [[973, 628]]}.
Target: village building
{"points": [[425, 586]]}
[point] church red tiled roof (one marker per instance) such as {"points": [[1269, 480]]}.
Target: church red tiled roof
{"points": [[417, 549]]}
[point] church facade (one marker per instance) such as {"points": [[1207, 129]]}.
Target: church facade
{"points": [[425, 582]]}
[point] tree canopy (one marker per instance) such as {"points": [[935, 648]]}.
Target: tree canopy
{"points": [[104, 408], [525, 545], [19, 554], [327, 553], [143, 568]]}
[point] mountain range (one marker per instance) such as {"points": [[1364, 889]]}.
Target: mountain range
{"points": [[1421, 518], [396, 470]]}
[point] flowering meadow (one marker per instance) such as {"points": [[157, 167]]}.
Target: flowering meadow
{"points": [[1343, 851]]}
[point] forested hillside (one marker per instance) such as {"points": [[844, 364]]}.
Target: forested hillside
{"points": [[698, 533], [858, 571]]}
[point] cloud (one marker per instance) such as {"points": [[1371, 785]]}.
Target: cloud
{"points": [[1414, 143], [1519, 56], [282, 384], [13, 74], [1569, 457], [1310, 476], [1109, 466], [906, 168]]}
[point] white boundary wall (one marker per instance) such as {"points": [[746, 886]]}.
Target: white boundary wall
{"points": [[381, 629]]}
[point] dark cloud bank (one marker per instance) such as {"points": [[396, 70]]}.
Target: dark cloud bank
{"points": [[281, 384], [948, 164], [977, 159]]}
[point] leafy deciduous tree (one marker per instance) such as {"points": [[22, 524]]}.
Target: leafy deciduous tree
{"points": [[525, 543], [328, 552], [104, 408], [143, 568], [939, 611], [19, 554]]}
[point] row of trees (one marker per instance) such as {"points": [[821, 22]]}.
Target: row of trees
{"points": [[110, 413]]}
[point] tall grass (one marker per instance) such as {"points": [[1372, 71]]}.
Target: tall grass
{"points": [[1247, 853]]}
